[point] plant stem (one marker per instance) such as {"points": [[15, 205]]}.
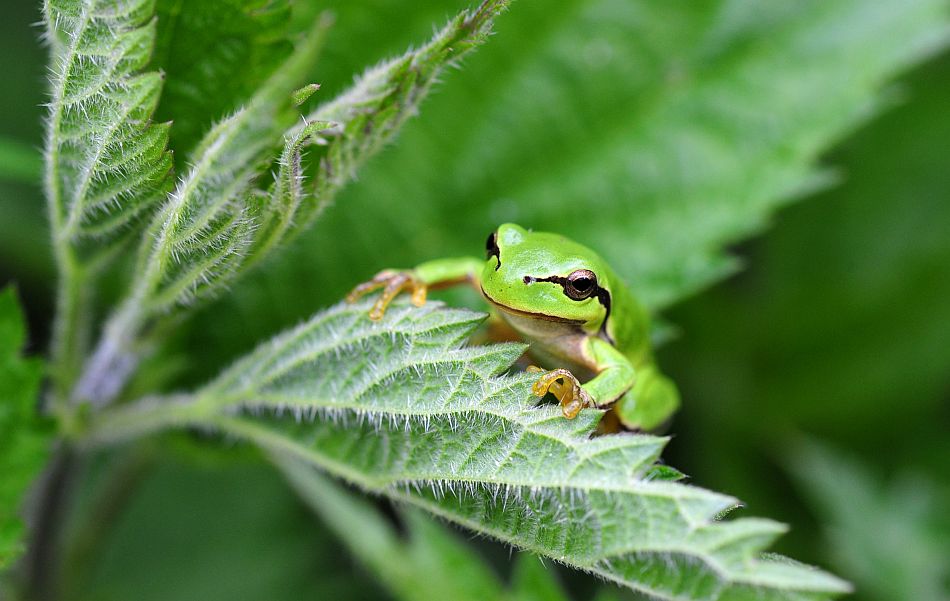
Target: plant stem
{"points": [[148, 415], [113, 362], [55, 491], [71, 325]]}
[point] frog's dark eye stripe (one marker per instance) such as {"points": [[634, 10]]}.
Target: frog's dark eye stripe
{"points": [[491, 248], [579, 285]]}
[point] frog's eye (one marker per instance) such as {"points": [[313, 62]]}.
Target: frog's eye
{"points": [[580, 284], [491, 248]]}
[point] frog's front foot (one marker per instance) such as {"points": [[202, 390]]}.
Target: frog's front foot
{"points": [[392, 282], [565, 387]]}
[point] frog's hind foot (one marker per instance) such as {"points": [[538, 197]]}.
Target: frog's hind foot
{"points": [[565, 387], [392, 282]]}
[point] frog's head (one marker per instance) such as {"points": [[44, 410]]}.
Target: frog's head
{"points": [[545, 276]]}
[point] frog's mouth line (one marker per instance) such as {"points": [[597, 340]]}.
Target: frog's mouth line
{"points": [[512, 310]]}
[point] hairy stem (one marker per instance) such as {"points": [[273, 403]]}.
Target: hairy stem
{"points": [[71, 325], [112, 363]]}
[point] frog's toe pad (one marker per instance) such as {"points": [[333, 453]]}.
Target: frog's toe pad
{"points": [[566, 388]]}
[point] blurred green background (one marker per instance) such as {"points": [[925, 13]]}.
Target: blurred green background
{"points": [[836, 329]]}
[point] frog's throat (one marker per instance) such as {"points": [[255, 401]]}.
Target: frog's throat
{"points": [[531, 314]]}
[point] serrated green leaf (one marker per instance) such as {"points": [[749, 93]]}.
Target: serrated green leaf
{"points": [[213, 225], [206, 227], [24, 437], [106, 165], [106, 162], [401, 408], [281, 209]]}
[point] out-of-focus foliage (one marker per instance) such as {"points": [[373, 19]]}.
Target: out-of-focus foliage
{"points": [[237, 532], [890, 538], [838, 327], [24, 437], [629, 136], [850, 282], [214, 56], [427, 561], [18, 162]]}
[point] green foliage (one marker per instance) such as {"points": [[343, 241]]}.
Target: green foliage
{"points": [[238, 533], [218, 220], [400, 408], [18, 162], [672, 132], [106, 161], [838, 328], [24, 437], [426, 562], [214, 56], [867, 521]]}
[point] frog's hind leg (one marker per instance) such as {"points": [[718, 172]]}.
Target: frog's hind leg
{"points": [[650, 403]]}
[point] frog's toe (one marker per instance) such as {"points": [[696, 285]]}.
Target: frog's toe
{"points": [[549, 381], [572, 408], [566, 388], [361, 290], [392, 283]]}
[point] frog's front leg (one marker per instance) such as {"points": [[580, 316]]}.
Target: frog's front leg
{"points": [[615, 376], [432, 274], [651, 402]]}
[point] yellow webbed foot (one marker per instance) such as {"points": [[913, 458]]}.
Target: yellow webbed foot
{"points": [[392, 282], [565, 387]]}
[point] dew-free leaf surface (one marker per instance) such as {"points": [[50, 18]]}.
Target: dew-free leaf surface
{"points": [[402, 408]]}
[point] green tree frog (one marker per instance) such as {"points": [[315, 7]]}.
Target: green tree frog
{"points": [[579, 318]]}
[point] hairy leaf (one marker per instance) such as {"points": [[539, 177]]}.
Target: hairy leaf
{"points": [[401, 408], [24, 438], [106, 162], [356, 124], [205, 228], [208, 228], [866, 522], [219, 220]]}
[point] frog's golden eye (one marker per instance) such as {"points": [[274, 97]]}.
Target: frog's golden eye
{"points": [[491, 248], [580, 284]]}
